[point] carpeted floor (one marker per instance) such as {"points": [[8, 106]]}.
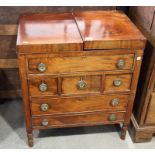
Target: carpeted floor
{"points": [[13, 135]]}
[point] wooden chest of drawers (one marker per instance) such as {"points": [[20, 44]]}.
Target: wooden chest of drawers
{"points": [[78, 69]]}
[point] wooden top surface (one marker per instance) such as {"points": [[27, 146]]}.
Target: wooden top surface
{"points": [[77, 31], [103, 26], [106, 25], [38, 29]]}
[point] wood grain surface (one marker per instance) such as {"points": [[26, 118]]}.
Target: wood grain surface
{"points": [[76, 120], [72, 57], [70, 84], [35, 82], [125, 82], [143, 121], [82, 63], [107, 30], [48, 31], [150, 118], [65, 105], [8, 29]]}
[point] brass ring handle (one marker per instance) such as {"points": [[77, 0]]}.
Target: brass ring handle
{"points": [[114, 102], [81, 84], [42, 67], [43, 87], [112, 117], [44, 107], [45, 122], [120, 63], [117, 83]]}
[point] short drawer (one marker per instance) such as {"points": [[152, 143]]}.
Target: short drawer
{"points": [[78, 104], [77, 120], [117, 82], [81, 84], [39, 64], [42, 86]]}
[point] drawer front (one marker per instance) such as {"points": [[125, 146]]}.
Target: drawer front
{"points": [[42, 86], [81, 84], [47, 64], [119, 82], [78, 104], [77, 120]]}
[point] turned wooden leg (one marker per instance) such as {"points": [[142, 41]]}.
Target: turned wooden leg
{"points": [[123, 132], [30, 139]]}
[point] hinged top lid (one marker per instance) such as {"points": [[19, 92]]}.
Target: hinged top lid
{"points": [[108, 30], [48, 33], [78, 31]]}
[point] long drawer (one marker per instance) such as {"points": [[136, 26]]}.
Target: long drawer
{"points": [[77, 120], [44, 106], [55, 65]]}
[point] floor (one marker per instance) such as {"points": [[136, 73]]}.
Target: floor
{"points": [[13, 135]]}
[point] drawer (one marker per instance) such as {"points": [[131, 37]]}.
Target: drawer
{"points": [[45, 64], [81, 84], [119, 82], [42, 86], [77, 120], [78, 104]]}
